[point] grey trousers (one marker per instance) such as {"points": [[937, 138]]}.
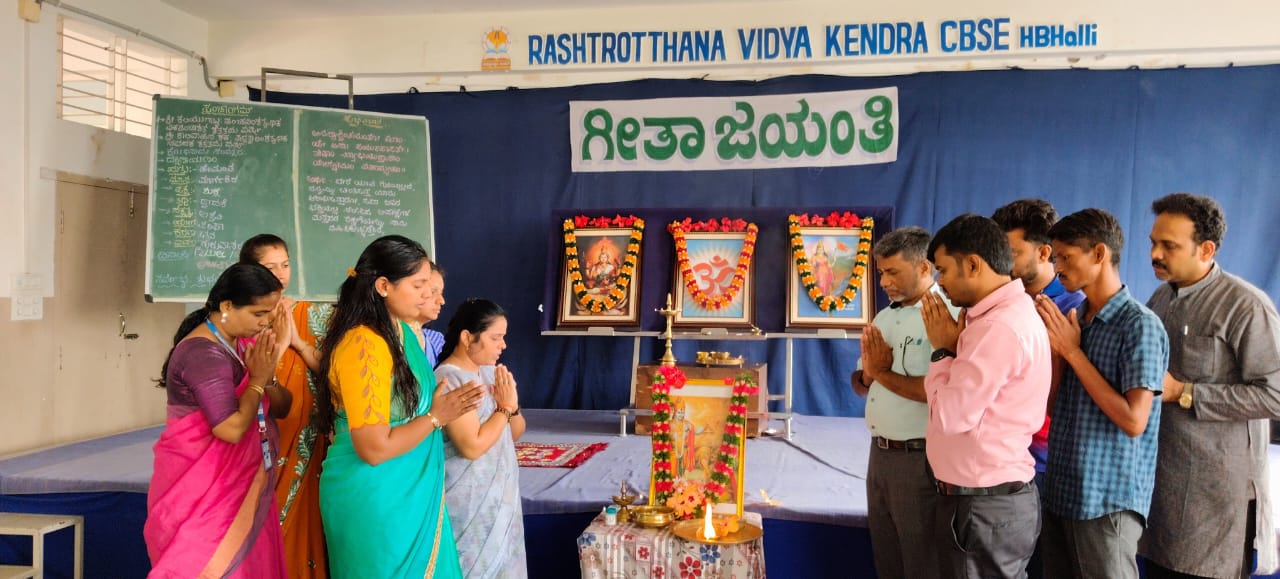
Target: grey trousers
{"points": [[901, 501], [987, 536], [1101, 548]]}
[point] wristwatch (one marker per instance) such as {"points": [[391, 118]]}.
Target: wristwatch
{"points": [[1185, 400], [941, 353]]}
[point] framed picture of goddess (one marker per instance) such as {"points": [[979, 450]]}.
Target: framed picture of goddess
{"points": [[600, 281], [829, 284], [713, 282]]}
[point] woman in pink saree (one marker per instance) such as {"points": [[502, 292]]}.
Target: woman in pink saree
{"points": [[211, 508]]}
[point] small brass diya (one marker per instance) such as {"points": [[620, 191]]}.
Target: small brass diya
{"points": [[624, 499]]}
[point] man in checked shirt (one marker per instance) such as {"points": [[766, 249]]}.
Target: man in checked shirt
{"points": [[1106, 420]]}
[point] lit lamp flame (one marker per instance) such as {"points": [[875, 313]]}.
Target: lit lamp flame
{"points": [[708, 530]]}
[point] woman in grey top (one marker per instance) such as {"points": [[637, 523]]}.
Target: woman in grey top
{"points": [[482, 485]]}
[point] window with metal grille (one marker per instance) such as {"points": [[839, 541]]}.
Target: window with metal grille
{"points": [[107, 80]]}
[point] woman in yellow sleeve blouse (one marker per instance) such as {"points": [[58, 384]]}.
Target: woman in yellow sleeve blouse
{"points": [[382, 483]]}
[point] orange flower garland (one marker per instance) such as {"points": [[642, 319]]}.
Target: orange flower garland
{"points": [[618, 292], [824, 302], [666, 488], [714, 303]]}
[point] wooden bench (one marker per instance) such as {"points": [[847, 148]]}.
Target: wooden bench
{"points": [[36, 527]]}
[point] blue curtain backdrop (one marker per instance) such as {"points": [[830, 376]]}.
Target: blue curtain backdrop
{"points": [[969, 141]]}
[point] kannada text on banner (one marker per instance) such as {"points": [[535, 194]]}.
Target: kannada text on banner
{"points": [[828, 129]]}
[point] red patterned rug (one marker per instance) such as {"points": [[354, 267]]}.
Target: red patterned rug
{"points": [[567, 455]]}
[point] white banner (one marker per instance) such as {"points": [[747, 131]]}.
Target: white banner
{"points": [[826, 129]]}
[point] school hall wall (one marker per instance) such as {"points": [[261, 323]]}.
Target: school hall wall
{"points": [[70, 375]]}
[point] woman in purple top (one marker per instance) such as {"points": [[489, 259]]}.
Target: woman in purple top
{"points": [[211, 508]]}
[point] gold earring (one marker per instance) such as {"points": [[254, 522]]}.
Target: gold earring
{"points": [[224, 317]]}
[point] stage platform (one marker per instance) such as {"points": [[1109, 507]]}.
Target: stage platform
{"points": [[814, 528]]}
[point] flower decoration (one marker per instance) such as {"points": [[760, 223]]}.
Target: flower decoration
{"points": [[618, 292], [686, 497], [837, 302], [666, 378], [722, 301]]}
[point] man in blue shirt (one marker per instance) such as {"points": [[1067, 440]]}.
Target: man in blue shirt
{"points": [[1026, 223], [1105, 430]]}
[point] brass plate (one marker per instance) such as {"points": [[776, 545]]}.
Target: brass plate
{"points": [[691, 530], [736, 361]]}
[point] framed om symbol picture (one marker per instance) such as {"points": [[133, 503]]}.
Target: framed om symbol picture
{"points": [[714, 281]]}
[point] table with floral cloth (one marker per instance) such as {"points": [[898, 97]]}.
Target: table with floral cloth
{"points": [[630, 551]]}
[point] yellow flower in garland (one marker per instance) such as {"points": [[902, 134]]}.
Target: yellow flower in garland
{"points": [[805, 270], [722, 301], [614, 295]]}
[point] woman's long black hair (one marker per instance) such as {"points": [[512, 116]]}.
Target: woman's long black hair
{"points": [[242, 284], [474, 315], [394, 257]]}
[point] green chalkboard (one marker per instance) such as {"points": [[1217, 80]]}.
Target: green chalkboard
{"points": [[327, 181]]}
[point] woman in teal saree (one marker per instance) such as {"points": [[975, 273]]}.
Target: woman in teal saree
{"points": [[382, 483]]}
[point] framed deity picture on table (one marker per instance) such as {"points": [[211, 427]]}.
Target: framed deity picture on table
{"points": [[829, 280], [714, 281], [600, 281], [698, 416]]}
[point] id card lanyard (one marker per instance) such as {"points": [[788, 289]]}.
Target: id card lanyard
{"points": [[262, 416]]}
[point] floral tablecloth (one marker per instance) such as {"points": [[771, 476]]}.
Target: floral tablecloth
{"points": [[627, 551]]}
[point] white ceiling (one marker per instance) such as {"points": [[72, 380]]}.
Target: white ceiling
{"points": [[231, 10]]}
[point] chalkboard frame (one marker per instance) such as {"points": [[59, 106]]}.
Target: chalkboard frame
{"points": [[295, 145]]}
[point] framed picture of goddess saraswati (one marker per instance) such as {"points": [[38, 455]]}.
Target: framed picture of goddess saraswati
{"points": [[829, 284], [714, 283], [600, 281]]}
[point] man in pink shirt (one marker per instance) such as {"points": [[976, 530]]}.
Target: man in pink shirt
{"points": [[987, 388]]}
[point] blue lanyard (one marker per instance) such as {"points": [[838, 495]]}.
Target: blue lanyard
{"points": [[262, 416], [234, 352]]}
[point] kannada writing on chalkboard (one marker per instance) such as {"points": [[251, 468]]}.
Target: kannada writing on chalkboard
{"points": [[357, 193], [326, 181], [202, 161]]}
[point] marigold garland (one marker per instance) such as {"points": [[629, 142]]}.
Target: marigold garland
{"points": [[665, 484], [618, 292], [828, 303], [719, 302]]}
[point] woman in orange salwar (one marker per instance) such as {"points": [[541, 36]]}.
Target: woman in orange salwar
{"points": [[302, 445], [211, 508]]}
